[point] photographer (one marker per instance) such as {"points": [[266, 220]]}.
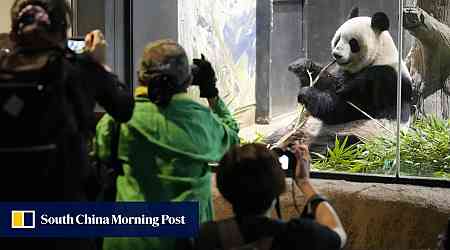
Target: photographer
{"points": [[251, 179], [171, 138], [48, 98], [37, 49]]}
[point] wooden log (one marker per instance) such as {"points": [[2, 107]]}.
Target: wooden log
{"points": [[429, 60]]}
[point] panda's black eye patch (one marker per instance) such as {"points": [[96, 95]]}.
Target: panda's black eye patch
{"points": [[354, 45]]}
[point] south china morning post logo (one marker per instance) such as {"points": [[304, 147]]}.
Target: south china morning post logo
{"points": [[128, 219], [84, 219], [23, 219]]}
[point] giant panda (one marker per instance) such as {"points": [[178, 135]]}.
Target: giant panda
{"points": [[365, 75]]}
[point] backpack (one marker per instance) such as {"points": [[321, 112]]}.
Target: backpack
{"points": [[34, 116], [230, 237]]}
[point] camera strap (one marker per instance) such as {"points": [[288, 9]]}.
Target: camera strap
{"points": [[278, 208], [293, 163]]}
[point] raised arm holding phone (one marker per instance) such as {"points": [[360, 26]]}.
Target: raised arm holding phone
{"points": [[321, 210]]}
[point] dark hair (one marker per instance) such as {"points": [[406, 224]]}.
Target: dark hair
{"points": [[163, 88], [250, 178], [164, 70], [58, 10]]}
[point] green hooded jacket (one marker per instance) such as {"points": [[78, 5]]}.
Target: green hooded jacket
{"points": [[166, 152]]}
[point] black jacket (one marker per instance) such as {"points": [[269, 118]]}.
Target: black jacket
{"points": [[85, 83]]}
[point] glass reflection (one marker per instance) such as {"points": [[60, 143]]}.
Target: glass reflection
{"points": [[425, 150], [348, 86]]}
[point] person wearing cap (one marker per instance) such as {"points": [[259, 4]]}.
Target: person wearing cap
{"points": [[169, 141]]}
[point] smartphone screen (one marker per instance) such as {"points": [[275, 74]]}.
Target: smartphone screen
{"points": [[284, 161], [76, 45]]}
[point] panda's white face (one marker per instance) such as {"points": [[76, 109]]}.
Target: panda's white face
{"points": [[355, 44]]}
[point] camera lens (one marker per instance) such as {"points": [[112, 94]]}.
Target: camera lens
{"points": [[194, 69], [27, 19]]}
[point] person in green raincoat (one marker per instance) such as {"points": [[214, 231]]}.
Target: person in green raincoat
{"points": [[169, 141]]}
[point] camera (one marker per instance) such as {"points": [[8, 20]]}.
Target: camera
{"points": [[76, 44], [194, 71], [286, 158], [27, 20]]}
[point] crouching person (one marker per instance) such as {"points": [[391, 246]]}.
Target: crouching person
{"points": [[166, 147], [250, 178]]}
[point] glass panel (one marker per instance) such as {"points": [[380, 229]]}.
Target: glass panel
{"points": [[351, 123], [425, 150], [225, 32]]}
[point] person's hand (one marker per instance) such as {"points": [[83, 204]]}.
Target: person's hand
{"points": [[205, 77], [302, 169], [33, 25], [96, 46], [32, 18], [301, 153]]}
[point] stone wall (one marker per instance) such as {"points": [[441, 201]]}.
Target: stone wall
{"points": [[375, 216]]}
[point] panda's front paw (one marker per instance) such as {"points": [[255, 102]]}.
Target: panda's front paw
{"points": [[303, 96], [300, 66]]}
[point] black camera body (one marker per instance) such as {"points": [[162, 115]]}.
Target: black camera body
{"points": [[287, 159], [195, 70], [27, 20]]}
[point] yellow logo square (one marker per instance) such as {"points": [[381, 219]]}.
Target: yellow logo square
{"points": [[22, 219]]}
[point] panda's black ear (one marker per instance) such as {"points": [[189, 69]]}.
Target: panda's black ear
{"points": [[380, 22], [353, 13]]}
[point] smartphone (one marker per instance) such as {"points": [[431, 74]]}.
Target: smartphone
{"points": [[76, 44], [285, 157], [284, 161]]}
